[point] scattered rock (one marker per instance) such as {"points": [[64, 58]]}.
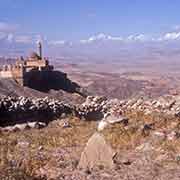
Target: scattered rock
{"points": [[23, 144], [172, 135], [94, 108], [25, 126], [158, 136], [24, 108], [66, 125], [145, 147], [146, 129]]}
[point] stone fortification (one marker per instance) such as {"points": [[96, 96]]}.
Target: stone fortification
{"points": [[22, 66]]}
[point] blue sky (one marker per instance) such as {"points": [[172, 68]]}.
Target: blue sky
{"points": [[61, 21], [78, 19]]}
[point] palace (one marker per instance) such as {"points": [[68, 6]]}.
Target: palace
{"points": [[18, 71]]}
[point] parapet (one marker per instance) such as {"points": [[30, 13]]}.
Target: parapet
{"points": [[10, 67]]}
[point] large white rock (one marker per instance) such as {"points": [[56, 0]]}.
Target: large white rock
{"points": [[97, 153], [102, 125]]}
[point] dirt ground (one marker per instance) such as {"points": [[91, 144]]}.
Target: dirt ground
{"points": [[54, 152]]}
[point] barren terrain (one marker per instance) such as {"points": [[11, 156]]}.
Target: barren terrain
{"points": [[146, 148], [54, 152], [124, 80]]}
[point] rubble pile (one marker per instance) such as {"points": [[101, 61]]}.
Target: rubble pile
{"points": [[94, 108], [24, 126], [168, 105], [23, 107]]}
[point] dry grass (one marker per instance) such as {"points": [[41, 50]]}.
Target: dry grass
{"points": [[22, 154], [22, 150]]}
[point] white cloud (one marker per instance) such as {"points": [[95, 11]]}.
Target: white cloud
{"points": [[15, 37], [2, 35], [104, 37], [6, 27], [139, 37], [176, 27], [23, 39], [115, 38], [6, 31], [100, 37], [10, 34], [97, 37], [133, 38], [70, 43], [83, 41], [57, 43], [171, 36]]}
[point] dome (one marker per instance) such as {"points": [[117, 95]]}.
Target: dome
{"points": [[34, 55]]}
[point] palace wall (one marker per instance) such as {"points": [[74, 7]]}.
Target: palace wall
{"points": [[39, 63], [13, 72], [22, 67]]}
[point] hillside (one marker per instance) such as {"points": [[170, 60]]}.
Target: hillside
{"points": [[65, 89], [43, 133], [146, 142]]}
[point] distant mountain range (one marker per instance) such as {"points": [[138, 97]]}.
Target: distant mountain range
{"points": [[100, 50]]}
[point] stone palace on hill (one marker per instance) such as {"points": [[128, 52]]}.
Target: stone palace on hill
{"points": [[18, 71]]}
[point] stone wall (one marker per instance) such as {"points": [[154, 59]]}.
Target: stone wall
{"points": [[35, 64], [22, 67], [6, 74], [13, 72], [22, 109], [18, 75]]}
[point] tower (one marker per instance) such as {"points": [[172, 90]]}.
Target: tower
{"points": [[40, 49]]}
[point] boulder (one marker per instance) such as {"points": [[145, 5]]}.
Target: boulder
{"points": [[111, 119], [102, 125], [97, 153]]}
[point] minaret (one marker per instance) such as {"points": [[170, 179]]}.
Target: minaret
{"points": [[40, 49]]}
